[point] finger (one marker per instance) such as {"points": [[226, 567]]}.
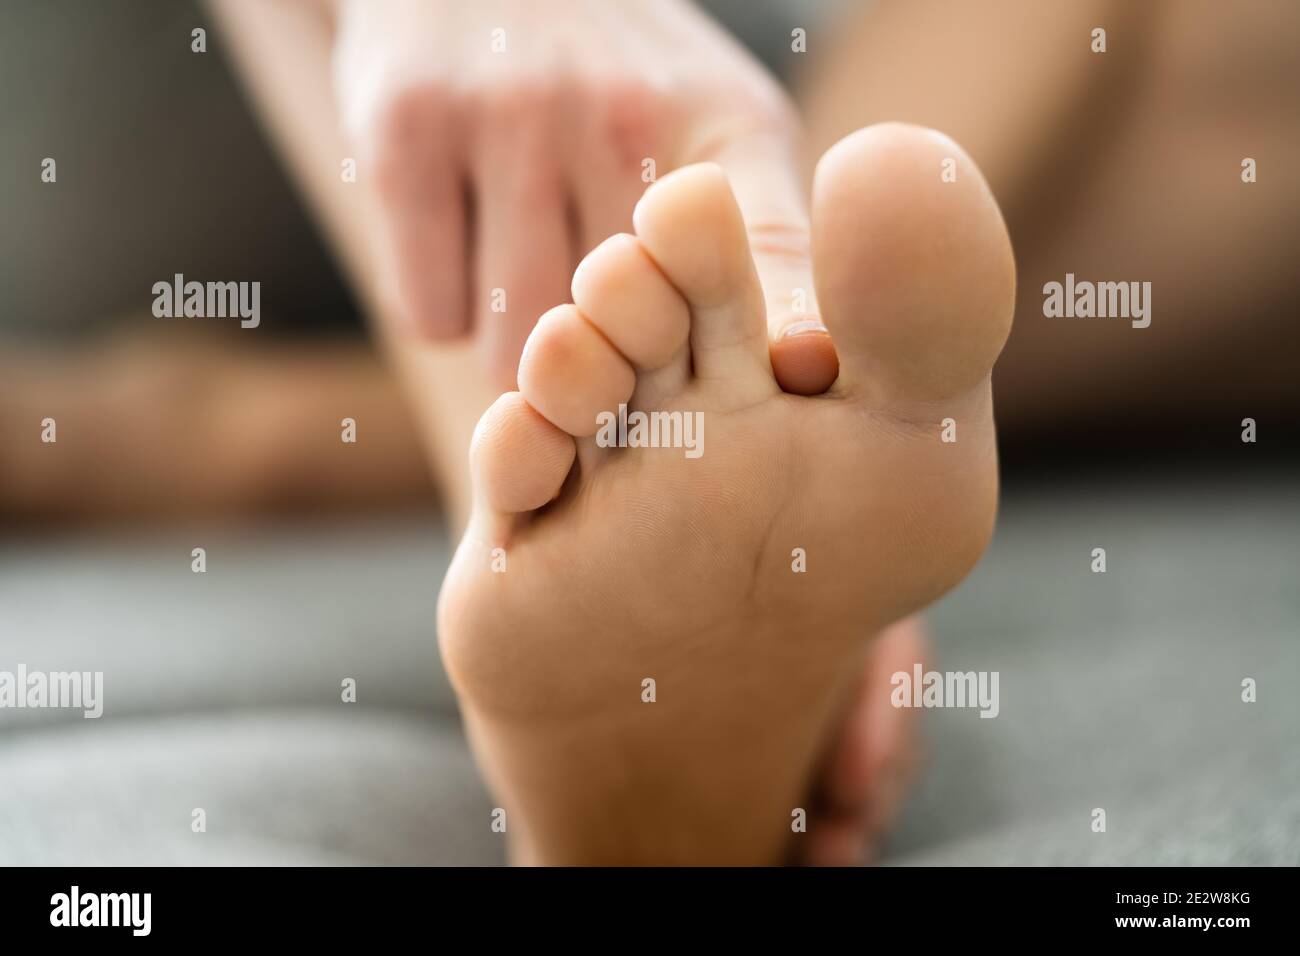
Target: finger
{"points": [[523, 254], [421, 201], [609, 177], [606, 196], [764, 175], [619, 124]]}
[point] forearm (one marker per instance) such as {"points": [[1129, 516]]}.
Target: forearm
{"points": [[282, 52]]}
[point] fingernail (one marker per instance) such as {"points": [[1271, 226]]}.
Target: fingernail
{"points": [[804, 327]]}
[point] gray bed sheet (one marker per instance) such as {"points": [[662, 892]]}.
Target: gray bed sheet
{"points": [[222, 692]]}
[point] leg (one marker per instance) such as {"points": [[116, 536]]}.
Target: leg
{"points": [[268, 419], [1119, 166]]}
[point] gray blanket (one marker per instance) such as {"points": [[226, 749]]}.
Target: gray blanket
{"points": [[1119, 691]]}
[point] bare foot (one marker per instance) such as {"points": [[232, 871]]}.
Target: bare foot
{"points": [[285, 52], [588, 571]]}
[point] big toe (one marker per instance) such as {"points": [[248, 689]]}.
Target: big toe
{"points": [[914, 270]]}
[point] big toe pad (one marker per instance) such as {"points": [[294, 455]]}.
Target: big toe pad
{"points": [[913, 265]]}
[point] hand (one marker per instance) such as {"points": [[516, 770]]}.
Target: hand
{"points": [[504, 140]]}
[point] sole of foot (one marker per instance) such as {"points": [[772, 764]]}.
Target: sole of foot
{"points": [[656, 611]]}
